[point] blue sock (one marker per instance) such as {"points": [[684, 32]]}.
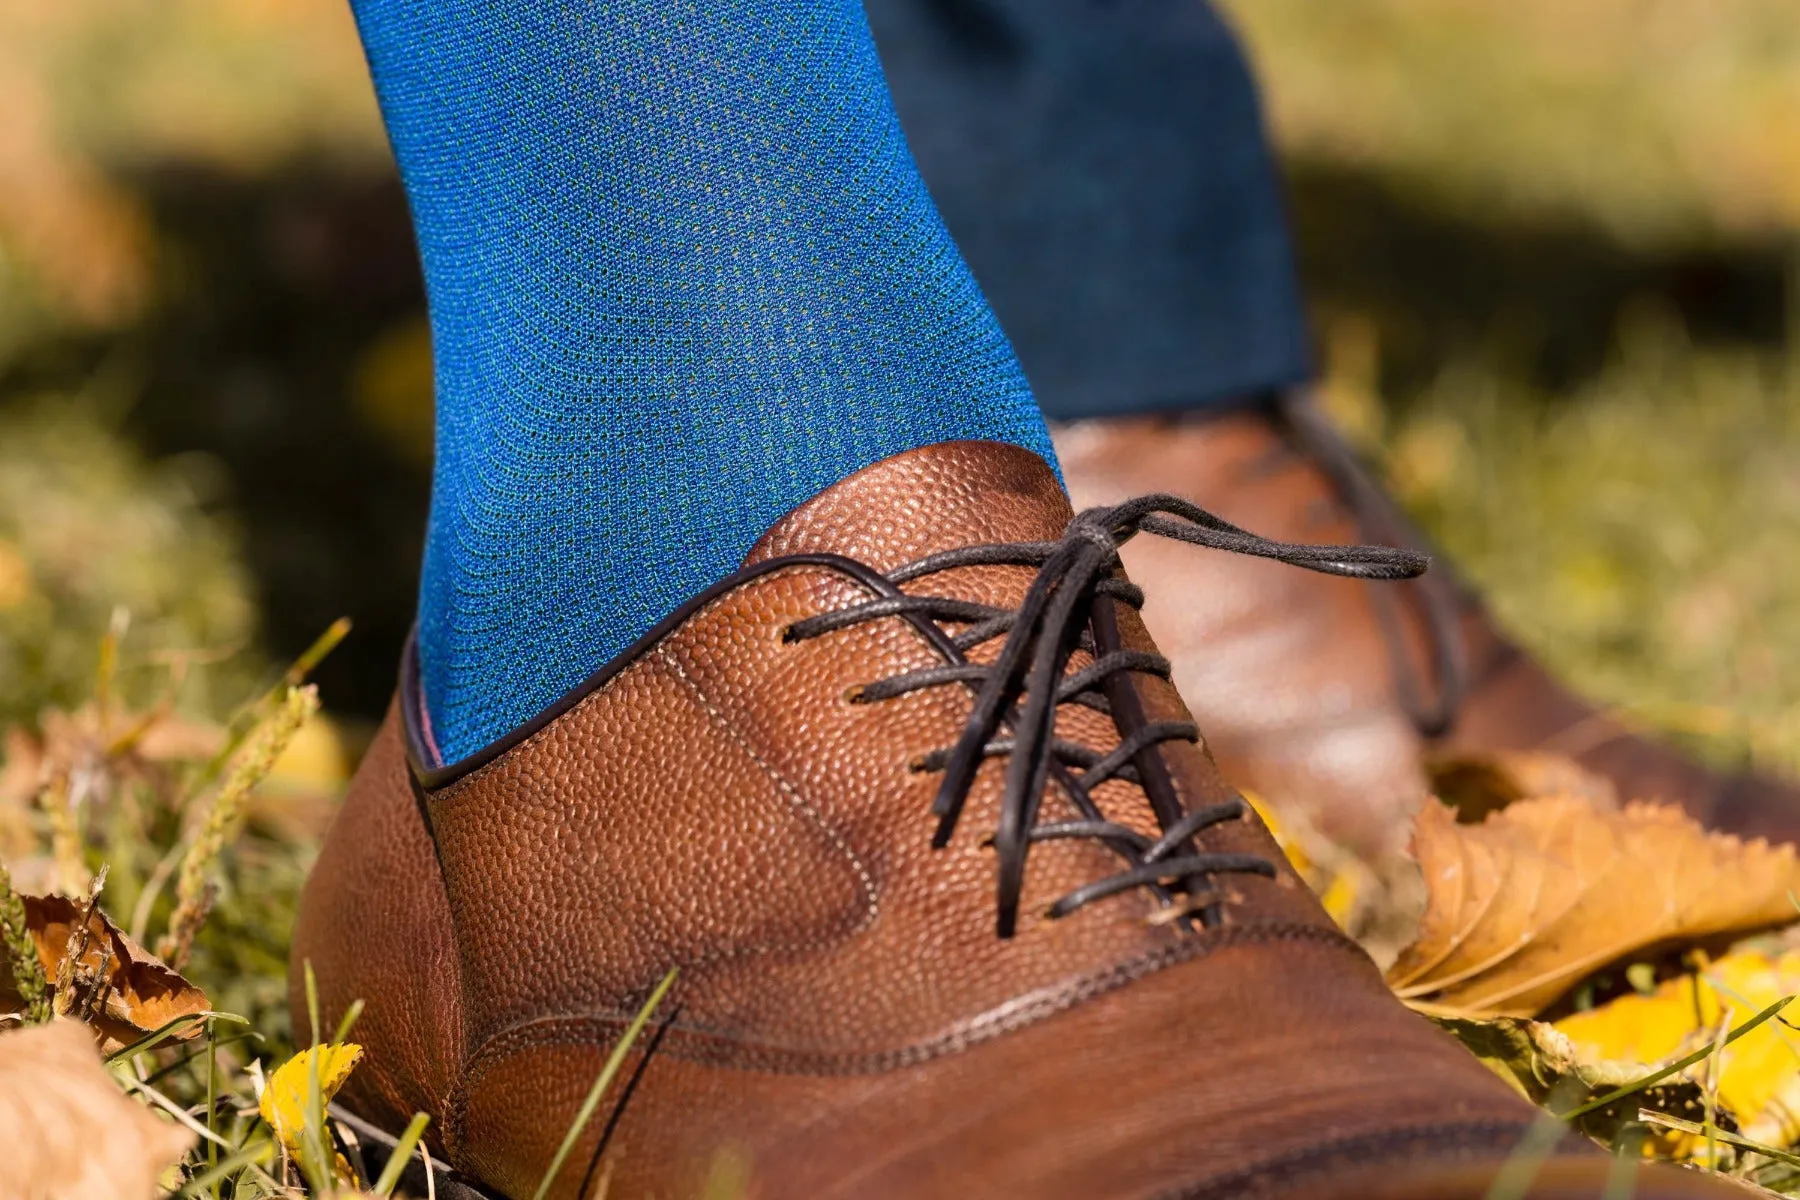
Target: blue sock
{"points": [[683, 275]]}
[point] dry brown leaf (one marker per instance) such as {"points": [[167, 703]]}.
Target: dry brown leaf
{"points": [[138, 992], [19, 766], [171, 738], [1544, 893], [134, 746], [1478, 784], [71, 1134]]}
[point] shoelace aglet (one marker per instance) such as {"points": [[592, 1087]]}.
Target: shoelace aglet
{"points": [[1011, 884]]}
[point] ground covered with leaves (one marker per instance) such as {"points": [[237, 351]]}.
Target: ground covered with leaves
{"points": [[1552, 253], [1618, 964]]}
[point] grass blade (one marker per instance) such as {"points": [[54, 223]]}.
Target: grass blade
{"points": [[169, 1106], [1715, 1134], [601, 1083], [252, 1155], [27, 968], [1680, 1064], [213, 1045], [403, 1151], [166, 1031], [349, 1019], [250, 714], [315, 1163], [212, 1092], [1513, 1180]]}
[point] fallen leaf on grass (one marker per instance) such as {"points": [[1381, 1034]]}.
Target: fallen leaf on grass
{"points": [[1540, 895], [70, 1133], [284, 1097], [136, 992], [1478, 784], [1550, 1068], [135, 744], [1759, 1074], [18, 787], [1340, 881]]}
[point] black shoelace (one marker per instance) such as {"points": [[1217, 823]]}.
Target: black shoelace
{"points": [[1068, 607]]}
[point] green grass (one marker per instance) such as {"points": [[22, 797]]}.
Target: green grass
{"points": [[1642, 533], [1657, 120], [1636, 524], [89, 528], [179, 827]]}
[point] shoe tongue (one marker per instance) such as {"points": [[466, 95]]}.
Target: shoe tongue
{"points": [[935, 498]]}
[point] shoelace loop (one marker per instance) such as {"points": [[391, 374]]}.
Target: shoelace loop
{"points": [[1069, 606], [1431, 704]]}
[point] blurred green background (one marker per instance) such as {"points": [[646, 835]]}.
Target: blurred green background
{"points": [[1552, 247]]}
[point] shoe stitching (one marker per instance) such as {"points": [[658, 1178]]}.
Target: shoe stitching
{"points": [[697, 1044], [1440, 1142], [873, 908], [602, 682], [1017, 696]]}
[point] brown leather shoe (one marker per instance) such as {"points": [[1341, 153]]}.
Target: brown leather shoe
{"points": [[813, 790], [1327, 693]]}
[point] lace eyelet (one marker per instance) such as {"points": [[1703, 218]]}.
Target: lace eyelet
{"points": [[1183, 907], [1083, 564]]}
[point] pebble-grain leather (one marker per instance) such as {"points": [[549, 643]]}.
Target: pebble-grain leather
{"points": [[846, 1021]]}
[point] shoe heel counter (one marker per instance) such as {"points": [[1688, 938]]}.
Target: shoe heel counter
{"points": [[375, 924]]}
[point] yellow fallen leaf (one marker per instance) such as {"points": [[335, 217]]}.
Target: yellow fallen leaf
{"points": [[1296, 856], [70, 1133], [284, 1096], [1341, 886], [1543, 893], [1759, 1074], [315, 760]]}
